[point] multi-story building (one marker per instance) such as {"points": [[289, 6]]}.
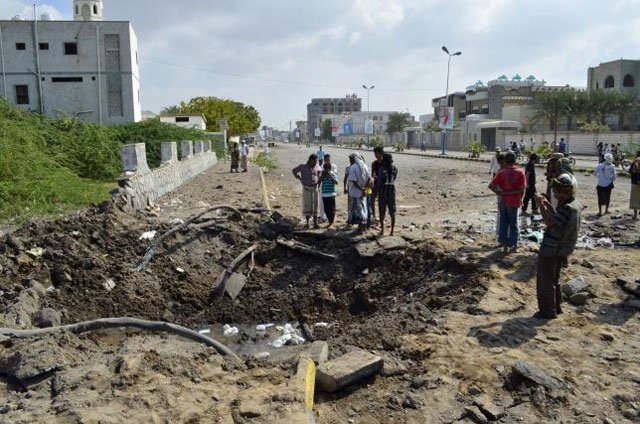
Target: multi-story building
{"points": [[618, 75], [330, 106], [353, 123], [86, 68]]}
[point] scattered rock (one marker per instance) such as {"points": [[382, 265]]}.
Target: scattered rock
{"points": [[587, 264], [474, 390], [574, 286], [61, 277], [624, 397], [347, 369], [474, 413], [579, 299], [630, 414], [250, 408], [418, 382], [489, 409], [35, 252], [536, 375], [607, 337], [4, 409], [28, 362], [48, 317], [412, 401], [630, 284]]}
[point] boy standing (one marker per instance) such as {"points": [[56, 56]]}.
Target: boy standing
{"points": [[328, 183]]}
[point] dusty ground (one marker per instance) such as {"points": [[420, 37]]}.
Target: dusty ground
{"points": [[446, 311]]}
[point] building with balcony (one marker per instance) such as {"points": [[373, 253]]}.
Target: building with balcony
{"points": [[330, 106]]}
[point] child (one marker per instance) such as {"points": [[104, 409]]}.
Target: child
{"points": [[328, 183]]}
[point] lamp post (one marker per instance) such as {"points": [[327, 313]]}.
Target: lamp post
{"points": [[368, 117], [446, 96]]}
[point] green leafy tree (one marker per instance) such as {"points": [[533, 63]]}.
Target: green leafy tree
{"points": [[327, 130], [397, 122], [241, 118], [623, 105]]}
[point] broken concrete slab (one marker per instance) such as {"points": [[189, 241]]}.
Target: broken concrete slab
{"points": [[474, 413], [574, 286], [488, 408], [371, 248], [368, 249], [579, 299], [392, 243], [630, 284], [234, 284], [536, 375], [347, 369]]}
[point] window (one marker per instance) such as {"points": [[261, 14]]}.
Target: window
{"points": [[93, 78], [609, 82], [66, 79], [21, 46], [22, 94], [43, 46], [70, 48], [77, 10], [628, 81], [95, 9], [182, 119]]}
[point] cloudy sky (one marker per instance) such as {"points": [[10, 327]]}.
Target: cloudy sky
{"points": [[278, 54]]}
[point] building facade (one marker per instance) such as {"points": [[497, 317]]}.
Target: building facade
{"points": [[330, 106], [622, 76], [86, 68], [353, 123], [187, 120]]}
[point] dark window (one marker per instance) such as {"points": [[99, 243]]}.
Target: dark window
{"points": [[182, 119], [21, 46], [628, 81], [77, 10], [22, 94], [66, 79], [93, 78], [609, 82], [71, 48], [43, 46], [95, 9]]}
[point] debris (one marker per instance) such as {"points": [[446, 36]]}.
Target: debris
{"points": [[262, 355], [574, 286], [149, 254], [229, 331], [412, 401], [234, 284], [303, 248], [205, 331], [587, 264], [48, 317], [536, 375], [176, 221], [488, 408], [263, 327], [630, 284], [180, 270], [579, 299], [109, 284], [102, 323], [474, 413], [36, 252], [148, 235], [289, 335], [220, 284], [590, 243], [347, 369], [321, 324]]}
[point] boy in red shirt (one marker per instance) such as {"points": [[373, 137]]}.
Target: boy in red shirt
{"points": [[512, 182]]}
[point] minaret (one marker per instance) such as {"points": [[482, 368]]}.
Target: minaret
{"points": [[88, 10]]}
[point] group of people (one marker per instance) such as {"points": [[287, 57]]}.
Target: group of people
{"points": [[604, 149], [239, 156], [363, 185]]}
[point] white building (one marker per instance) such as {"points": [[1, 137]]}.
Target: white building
{"points": [[186, 120], [87, 68]]}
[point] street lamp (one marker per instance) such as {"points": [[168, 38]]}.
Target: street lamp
{"points": [[368, 117], [446, 96]]}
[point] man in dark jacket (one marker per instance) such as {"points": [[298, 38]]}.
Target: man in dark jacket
{"points": [[559, 241]]}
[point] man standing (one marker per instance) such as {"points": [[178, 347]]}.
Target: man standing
{"points": [[512, 183], [244, 154], [553, 168], [358, 180], [562, 148], [558, 243], [320, 154], [495, 166], [309, 175], [378, 152], [530, 193]]}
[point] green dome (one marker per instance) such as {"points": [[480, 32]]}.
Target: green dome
{"points": [[531, 78], [516, 77], [503, 78]]}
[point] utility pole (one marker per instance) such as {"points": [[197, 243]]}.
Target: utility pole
{"points": [[446, 96], [368, 110]]}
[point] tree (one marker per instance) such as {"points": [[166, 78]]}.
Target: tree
{"points": [[550, 106], [623, 105], [241, 118], [327, 130], [397, 122]]}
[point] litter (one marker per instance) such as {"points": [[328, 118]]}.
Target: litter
{"points": [[229, 331], [321, 324], [109, 284], [205, 331], [262, 355], [289, 336], [148, 235], [36, 252], [263, 327], [176, 221], [533, 235], [590, 243]]}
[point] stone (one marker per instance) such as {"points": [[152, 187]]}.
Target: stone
{"points": [[48, 317], [488, 408], [474, 390], [368, 249], [630, 414], [630, 284], [412, 401], [27, 362], [587, 264], [574, 286], [347, 369], [579, 299], [392, 243], [474, 413], [250, 408], [607, 337], [624, 397], [535, 374], [632, 304], [61, 277]]}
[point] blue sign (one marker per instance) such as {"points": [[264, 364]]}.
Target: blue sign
{"points": [[347, 128]]}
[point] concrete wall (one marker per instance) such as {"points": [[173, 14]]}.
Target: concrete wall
{"points": [[577, 142], [89, 95], [195, 122], [142, 186]]}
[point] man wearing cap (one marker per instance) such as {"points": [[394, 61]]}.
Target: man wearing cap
{"points": [[559, 241], [495, 166], [553, 170]]}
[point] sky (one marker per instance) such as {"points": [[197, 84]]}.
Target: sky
{"points": [[279, 54]]}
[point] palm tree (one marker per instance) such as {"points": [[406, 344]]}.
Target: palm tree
{"points": [[623, 105], [550, 106], [397, 122]]}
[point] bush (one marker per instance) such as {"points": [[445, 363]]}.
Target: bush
{"points": [[400, 146], [475, 149]]}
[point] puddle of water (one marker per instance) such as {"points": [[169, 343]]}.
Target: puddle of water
{"points": [[248, 341]]}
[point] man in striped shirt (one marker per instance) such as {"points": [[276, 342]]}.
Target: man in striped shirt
{"points": [[328, 183], [559, 241]]}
